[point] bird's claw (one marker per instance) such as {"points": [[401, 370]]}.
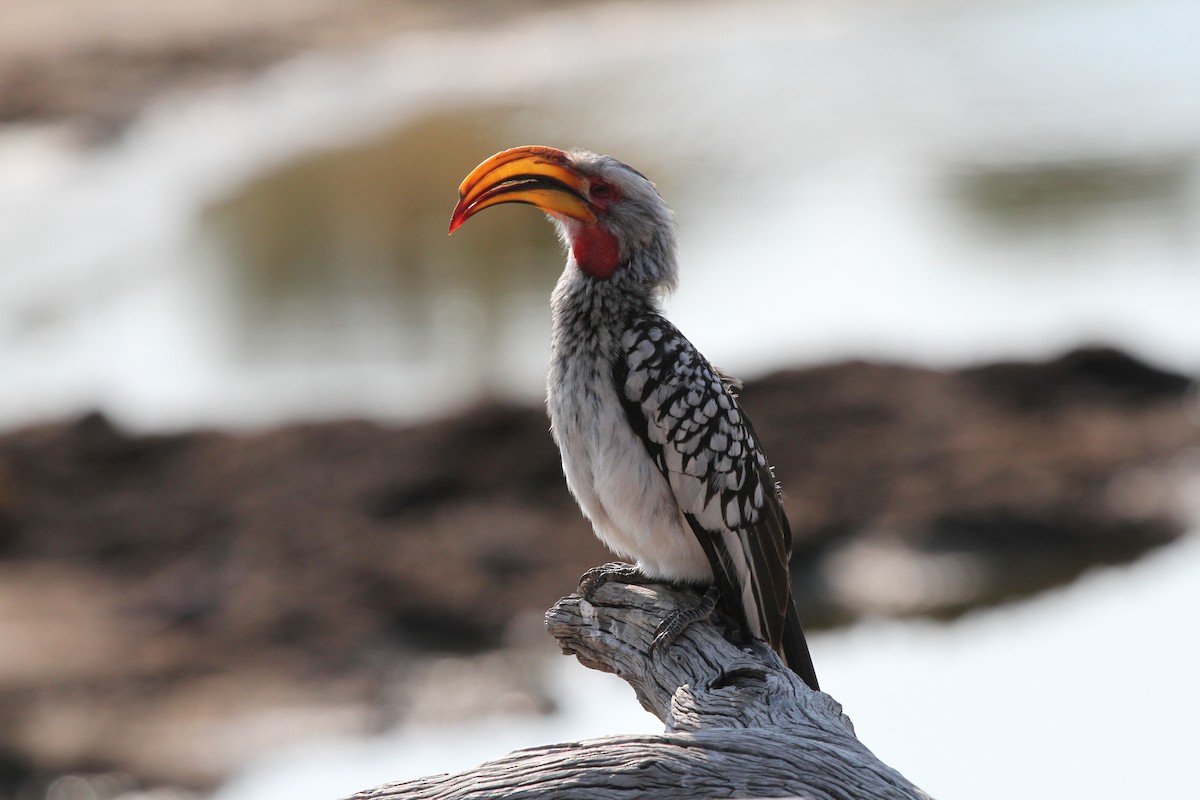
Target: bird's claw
{"points": [[596, 577], [678, 621]]}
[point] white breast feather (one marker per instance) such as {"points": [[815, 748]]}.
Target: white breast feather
{"points": [[617, 484]]}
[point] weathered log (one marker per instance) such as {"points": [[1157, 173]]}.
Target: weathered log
{"points": [[738, 723]]}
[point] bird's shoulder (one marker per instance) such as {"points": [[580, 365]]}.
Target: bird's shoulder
{"points": [[688, 416], [659, 363]]}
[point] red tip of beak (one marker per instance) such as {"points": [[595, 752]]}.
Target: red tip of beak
{"points": [[457, 218]]}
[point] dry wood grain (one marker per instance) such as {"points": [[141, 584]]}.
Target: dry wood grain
{"points": [[738, 723]]}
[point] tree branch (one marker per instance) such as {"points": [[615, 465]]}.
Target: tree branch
{"points": [[738, 723]]}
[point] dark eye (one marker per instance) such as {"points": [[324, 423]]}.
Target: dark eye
{"points": [[602, 191]]}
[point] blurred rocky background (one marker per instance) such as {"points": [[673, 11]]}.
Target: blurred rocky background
{"points": [[273, 467]]}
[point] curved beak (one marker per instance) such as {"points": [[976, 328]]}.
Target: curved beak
{"points": [[539, 176]]}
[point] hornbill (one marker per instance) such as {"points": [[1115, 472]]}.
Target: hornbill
{"points": [[654, 446]]}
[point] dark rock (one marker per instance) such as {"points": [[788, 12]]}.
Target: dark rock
{"points": [[1095, 375]]}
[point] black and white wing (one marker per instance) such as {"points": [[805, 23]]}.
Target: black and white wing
{"points": [[709, 453]]}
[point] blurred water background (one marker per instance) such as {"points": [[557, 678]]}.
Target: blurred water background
{"points": [[926, 181], [930, 181]]}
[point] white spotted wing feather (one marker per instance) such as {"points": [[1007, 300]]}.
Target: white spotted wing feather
{"points": [[693, 428]]}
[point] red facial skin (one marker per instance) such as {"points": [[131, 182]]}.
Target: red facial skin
{"points": [[595, 250], [594, 247]]}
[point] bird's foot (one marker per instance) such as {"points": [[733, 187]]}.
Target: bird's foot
{"points": [[677, 621], [596, 577]]}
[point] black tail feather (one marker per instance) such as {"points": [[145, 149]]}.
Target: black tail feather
{"points": [[795, 649]]}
